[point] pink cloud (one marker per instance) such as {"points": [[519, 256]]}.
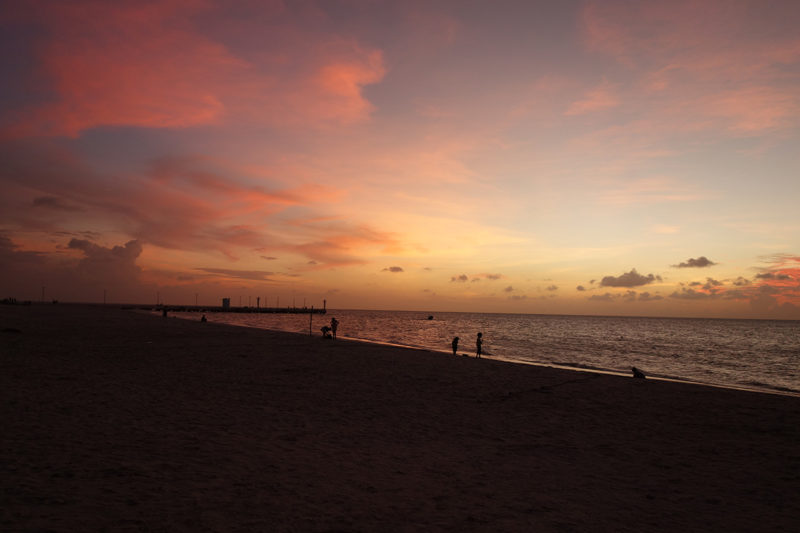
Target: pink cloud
{"points": [[597, 99], [150, 65], [707, 65], [755, 109]]}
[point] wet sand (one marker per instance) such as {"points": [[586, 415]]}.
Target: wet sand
{"points": [[121, 421]]}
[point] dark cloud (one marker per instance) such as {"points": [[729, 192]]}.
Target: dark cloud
{"points": [[509, 289], [393, 269], [691, 294], [69, 276], [769, 289], [518, 297], [256, 275], [629, 296], [628, 279], [490, 277], [100, 262], [607, 297], [741, 282], [773, 276], [647, 297], [10, 250], [552, 288], [700, 262], [89, 235], [580, 288], [711, 284], [735, 294], [460, 279], [51, 202], [268, 257], [312, 262], [767, 304]]}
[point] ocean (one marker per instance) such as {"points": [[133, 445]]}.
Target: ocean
{"points": [[760, 355]]}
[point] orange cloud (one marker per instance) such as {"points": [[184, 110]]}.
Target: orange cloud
{"points": [[650, 191], [333, 245], [180, 203]]}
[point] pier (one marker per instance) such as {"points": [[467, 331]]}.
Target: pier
{"points": [[241, 309]]}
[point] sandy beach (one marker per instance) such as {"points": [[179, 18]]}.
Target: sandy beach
{"points": [[114, 420]]}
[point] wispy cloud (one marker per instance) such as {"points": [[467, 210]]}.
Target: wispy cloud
{"points": [[597, 99], [256, 275]]}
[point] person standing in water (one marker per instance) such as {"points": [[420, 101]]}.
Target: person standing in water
{"points": [[334, 325], [479, 345], [455, 345]]}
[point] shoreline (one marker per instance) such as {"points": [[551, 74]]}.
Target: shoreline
{"points": [[115, 420], [745, 388]]}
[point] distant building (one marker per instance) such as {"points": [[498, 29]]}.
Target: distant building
{"points": [[226, 303]]}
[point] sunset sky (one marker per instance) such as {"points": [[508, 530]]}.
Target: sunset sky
{"points": [[615, 158]]}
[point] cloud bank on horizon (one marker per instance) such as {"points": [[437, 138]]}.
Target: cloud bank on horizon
{"points": [[201, 147]]}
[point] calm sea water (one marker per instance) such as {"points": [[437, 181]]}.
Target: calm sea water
{"points": [[757, 354]]}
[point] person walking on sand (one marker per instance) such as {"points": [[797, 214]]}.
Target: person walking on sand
{"points": [[479, 345], [334, 325], [455, 345]]}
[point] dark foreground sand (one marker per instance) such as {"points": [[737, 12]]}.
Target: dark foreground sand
{"points": [[118, 421]]}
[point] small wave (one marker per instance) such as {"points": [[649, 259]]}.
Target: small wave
{"points": [[760, 385], [584, 366]]}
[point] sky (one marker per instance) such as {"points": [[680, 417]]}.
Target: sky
{"points": [[573, 157]]}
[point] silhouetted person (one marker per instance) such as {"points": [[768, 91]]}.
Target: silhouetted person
{"points": [[164, 313], [479, 345], [637, 373], [326, 332], [334, 325], [203, 319], [455, 345]]}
